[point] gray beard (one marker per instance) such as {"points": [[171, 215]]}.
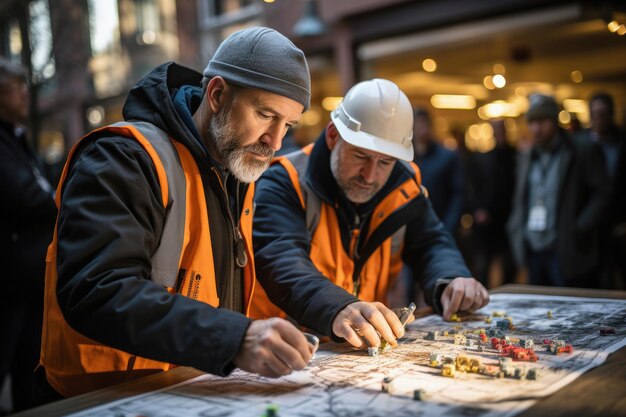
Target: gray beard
{"points": [[234, 156], [354, 194]]}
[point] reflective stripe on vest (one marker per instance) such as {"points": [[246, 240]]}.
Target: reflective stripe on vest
{"points": [[182, 263], [327, 252]]}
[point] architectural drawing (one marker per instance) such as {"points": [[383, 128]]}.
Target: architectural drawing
{"points": [[341, 381]]}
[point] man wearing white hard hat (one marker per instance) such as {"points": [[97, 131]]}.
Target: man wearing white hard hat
{"points": [[351, 207]]}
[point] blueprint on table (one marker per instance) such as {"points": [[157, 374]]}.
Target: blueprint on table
{"points": [[341, 381]]}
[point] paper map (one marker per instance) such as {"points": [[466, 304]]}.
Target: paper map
{"points": [[341, 381]]}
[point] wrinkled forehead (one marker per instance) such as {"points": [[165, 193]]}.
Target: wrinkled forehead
{"points": [[366, 152]]}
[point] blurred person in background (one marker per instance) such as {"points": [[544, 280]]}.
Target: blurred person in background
{"points": [[26, 224], [442, 171], [612, 140], [491, 178], [561, 195]]}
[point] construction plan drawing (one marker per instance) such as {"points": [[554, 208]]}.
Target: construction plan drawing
{"points": [[499, 361]]}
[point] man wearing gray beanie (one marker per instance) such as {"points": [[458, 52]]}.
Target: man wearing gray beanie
{"points": [[561, 195], [152, 264]]}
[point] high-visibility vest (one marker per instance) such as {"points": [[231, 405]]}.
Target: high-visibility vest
{"points": [[378, 274], [183, 263]]}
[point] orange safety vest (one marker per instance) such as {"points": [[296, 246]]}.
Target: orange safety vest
{"points": [[327, 253], [183, 263]]}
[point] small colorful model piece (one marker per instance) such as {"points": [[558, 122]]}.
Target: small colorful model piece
{"points": [[606, 330], [549, 314], [557, 347], [504, 324], [533, 374], [498, 313], [448, 370], [488, 320], [527, 343], [271, 410], [385, 384], [372, 351], [459, 339], [435, 359], [419, 395], [455, 317], [522, 354], [432, 335]]}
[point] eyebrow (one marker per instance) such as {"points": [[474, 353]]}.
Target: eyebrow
{"points": [[266, 108], [384, 158]]}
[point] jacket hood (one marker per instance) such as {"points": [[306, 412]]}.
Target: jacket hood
{"points": [[151, 100]]}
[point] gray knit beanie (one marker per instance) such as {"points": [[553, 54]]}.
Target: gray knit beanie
{"points": [[542, 107], [262, 58]]}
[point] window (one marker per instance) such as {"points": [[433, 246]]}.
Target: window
{"points": [[41, 41], [103, 25], [148, 23]]}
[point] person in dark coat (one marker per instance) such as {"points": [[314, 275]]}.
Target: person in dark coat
{"points": [[442, 172], [492, 179], [26, 223], [561, 196], [612, 140]]}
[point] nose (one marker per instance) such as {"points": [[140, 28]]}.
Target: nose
{"points": [[368, 171], [274, 136]]}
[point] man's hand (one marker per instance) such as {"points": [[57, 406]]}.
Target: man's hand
{"points": [[463, 294], [273, 348], [362, 324]]}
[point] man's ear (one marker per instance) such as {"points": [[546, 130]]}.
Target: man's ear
{"points": [[216, 93], [332, 135]]}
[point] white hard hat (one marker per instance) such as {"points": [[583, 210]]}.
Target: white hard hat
{"points": [[376, 115]]}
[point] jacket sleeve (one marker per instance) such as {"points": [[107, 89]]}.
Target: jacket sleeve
{"points": [[598, 185], [457, 194], [284, 268], [431, 253], [111, 218]]}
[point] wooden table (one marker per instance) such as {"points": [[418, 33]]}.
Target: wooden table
{"points": [[599, 392]]}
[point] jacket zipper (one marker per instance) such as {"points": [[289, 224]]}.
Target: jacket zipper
{"points": [[354, 252], [234, 232]]}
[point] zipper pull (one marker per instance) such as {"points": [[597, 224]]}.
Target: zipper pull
{"points": [[240, 248]]}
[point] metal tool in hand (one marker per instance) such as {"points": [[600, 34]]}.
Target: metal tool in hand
{"points": [[403, 314], [313, 340]]}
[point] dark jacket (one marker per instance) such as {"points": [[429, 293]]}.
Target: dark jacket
{"points": [[27, 216], [111, 218], [442, 175], [617, 210], [282, 240], [582, 202]]}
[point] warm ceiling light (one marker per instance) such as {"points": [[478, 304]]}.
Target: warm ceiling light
{"points": [[451, 101], [576, 76], [269, 1], [499, 81], [310, 117], [488, 82], [564, 117], [501, 108], [574, 105], [621, 30], [331, 103], [429, 65], [613, 25], [499, 69]]}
